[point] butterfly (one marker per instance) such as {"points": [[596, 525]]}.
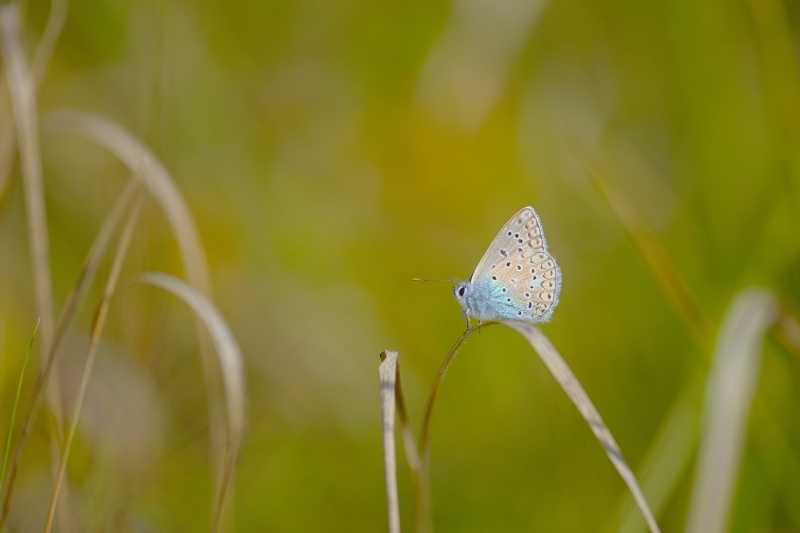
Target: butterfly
{"points": [[516, 279]]}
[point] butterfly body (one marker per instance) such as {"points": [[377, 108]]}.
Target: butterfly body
{"points": [[517, 279]]}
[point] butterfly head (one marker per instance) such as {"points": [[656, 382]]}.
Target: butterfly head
{"points": [[460, 291]]}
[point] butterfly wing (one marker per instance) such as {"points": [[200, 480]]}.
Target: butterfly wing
{"points": [[523, 277]]}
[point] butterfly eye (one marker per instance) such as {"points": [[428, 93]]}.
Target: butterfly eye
{"points": [[461, 291]]}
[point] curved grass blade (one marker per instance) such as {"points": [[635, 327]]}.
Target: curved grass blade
{"points": [[16, 404], [728, 397], [387, 372], [230, 361], [145, 166], [564, 376], [154, 176]]}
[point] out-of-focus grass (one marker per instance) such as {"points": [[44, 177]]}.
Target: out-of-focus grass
{"points": [[309, 144], [14, 407]]}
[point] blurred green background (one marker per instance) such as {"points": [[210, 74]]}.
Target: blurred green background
{"points": [[331, 151]]}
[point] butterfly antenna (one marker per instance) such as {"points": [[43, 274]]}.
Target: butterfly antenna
{"points": [[433, 280]]}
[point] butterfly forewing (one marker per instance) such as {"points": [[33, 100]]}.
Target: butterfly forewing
{"points": [[527, 278]]}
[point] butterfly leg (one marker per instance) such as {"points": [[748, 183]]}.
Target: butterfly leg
{"points": [[465, 316]]}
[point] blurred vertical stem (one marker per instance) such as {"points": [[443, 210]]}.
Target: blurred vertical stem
{"points": [[729, 394], [22, 91], [16, 404], [97, 330], [23, 102], [39, 64]]}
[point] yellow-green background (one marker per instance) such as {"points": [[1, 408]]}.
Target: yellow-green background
{"points": [[328, 159]]}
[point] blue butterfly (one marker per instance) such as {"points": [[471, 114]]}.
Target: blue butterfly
{"points": [[516, 279]]}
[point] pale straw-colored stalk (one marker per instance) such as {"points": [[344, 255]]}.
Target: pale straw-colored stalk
{"points": [[23, 104], [728, 396], [387, 374], [22, 92], [39, 64]]}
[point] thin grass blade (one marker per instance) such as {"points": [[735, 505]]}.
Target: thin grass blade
{"points": [[409, 443], [50, 35], [97, 331], [564, 376], [23, 102], [7, 140], [88, 272], [230, 362], [669, 279], [387, 372], [16, 404], [728, 398], [39, 64]]}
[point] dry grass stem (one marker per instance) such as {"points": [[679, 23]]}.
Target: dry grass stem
{"points": [[23, 103], [87, 274], [387, 372], [564, 376], [97, 331], [41, 59], [728, 397], [22, 92], [409, 443], [231, 364]]}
